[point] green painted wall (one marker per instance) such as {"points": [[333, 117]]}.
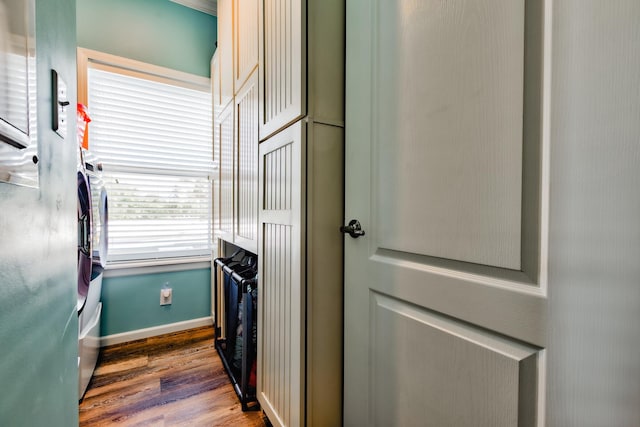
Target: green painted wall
{"points": [[38, 320], [133, 302], [163, 33], [158, 32]]}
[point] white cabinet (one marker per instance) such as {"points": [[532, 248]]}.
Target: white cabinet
{"points": [[300, 268], [246, 169], [235, 104], [281, 265], [223, 193], [284, 198], [301, 209], [245, 40], [225, 49], [282, 64], [216, 93], [301, 63], [235, 192]]}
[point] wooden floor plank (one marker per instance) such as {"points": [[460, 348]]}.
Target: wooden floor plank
{"points": [[171, 380]]}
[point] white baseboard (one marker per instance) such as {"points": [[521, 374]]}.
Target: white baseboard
{"points": [[154, 331]]}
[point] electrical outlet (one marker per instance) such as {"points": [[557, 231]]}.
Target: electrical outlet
{"points": [[165, 296]]}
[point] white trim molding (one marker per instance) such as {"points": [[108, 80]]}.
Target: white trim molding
{"points": [[154, 331]]}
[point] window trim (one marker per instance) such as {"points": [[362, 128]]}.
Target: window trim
{"points": [[88, 58]]}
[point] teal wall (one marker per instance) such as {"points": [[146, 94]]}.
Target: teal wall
{"points": [[133, 302], [158, 32], [38, 320], [162, 33]]}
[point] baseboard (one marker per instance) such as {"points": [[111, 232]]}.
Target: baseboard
{"points": [[154, 331]]}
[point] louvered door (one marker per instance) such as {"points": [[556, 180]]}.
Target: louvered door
{"points": [[223, 196], [282, 64], [281, 346], [246, 179]]}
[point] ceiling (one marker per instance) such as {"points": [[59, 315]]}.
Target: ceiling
{"points": [[206, 6]]}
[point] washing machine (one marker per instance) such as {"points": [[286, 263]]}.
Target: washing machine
{"points": [[85, 242], [94, 247]]}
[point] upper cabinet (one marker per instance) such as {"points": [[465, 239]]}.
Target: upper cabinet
{"points": [[225, 49], [282, 64], [235, 96], [301, 59], [216, 98], [245, 40]]}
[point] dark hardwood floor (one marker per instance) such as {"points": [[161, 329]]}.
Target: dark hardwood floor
{"points": [[171, 380]]}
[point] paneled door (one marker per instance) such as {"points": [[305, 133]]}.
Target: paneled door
{"points": [[445, 292]]}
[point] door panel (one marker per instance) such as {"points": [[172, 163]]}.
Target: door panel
{"points": [[245, 39], [466, 376], [225, 130], [247, 168], [454, 113], [282, 64], [281, 346], [444, 287], [225, 47], [216, 95]]}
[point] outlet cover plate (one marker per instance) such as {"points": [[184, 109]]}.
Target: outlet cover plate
{"points": [[166, 295]]}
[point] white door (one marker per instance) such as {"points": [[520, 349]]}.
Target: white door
{"points": [[445, 293]]}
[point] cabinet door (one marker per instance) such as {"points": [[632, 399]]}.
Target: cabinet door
{"points": [[246, 182], [225, 48], [216, 107], [282, 64], [245, 40], [281, 349], [216, 98], [223, 192]]}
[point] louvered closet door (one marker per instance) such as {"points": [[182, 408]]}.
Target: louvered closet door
{"points": [[224, 138], [282, 64], [281, 271], [245, 40], [246, 212]]}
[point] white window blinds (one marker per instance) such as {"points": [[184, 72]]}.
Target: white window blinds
{"points": [[154, 141]]}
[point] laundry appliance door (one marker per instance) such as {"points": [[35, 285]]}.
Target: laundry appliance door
{"points": [[84, 239], [100, 226]]}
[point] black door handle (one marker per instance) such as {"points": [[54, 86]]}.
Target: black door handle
{"points": [[354, 229]]}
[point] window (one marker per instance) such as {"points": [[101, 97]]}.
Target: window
{"points": [[151, 130]]}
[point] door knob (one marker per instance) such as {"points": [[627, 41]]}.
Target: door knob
{"points": [[354, 229]]}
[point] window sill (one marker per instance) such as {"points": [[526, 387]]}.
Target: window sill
{"points": [[130, 268]]}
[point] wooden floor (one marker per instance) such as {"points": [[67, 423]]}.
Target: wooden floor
{"points": [[170, 380]]}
